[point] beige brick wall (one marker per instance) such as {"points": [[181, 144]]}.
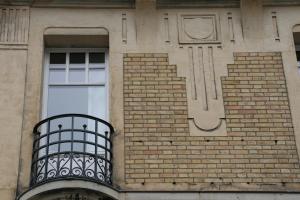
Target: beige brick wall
{"points": [[259, 147]]}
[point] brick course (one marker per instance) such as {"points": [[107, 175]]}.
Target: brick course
{"points": [[259, 147]]}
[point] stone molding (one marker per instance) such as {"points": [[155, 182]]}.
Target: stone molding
{"points": [[75, 3], [33, 193]]}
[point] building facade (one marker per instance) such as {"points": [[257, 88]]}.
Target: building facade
{"points": [[149, 99]]}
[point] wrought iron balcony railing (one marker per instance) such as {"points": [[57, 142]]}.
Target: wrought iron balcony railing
{"points": [[72, 146]]}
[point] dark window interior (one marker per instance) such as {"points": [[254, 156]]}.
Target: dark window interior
{"points": [[58, 58], [96, 57], [77, 58], [297, 45], [298, 55]]}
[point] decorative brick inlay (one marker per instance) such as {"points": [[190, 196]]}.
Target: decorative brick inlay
{"points": [[259, 147]]}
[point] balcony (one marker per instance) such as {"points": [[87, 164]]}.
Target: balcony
{"points": [[72, 147]]}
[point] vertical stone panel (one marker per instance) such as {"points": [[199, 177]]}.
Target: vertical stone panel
{"points": [[12, 81], [14, 24]]}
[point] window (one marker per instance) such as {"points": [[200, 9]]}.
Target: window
{"points": [[296, 35], [298, 56], [75, 81]]}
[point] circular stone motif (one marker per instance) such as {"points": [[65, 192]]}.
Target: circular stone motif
{"points": [[198, 28]]}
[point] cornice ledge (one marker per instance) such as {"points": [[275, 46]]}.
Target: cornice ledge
{"points": [[197, 3], [73, 3], [281, 2]]}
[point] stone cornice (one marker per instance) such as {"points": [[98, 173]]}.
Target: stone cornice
{"points": [[197, 3], [72, 3], [281, 2], [131, 3], [218, 3]]}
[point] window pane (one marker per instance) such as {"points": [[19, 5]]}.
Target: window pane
{"points": [[97, 57], [77, 146], [97, 76], [57, 58], [298, 55], [53, 148], [65, 146], [80, 123], [77, 75], [97, 101], [77, 58], [66, 135], [90, 100], [78, 135], [57, 75], [67, 99]]}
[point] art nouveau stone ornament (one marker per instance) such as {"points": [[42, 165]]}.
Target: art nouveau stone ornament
{"points": [[201, 32], [198, 28], [205, 102]]}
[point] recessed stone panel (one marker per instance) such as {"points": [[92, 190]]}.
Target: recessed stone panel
{"points": [[198, 28], [14, 22]]}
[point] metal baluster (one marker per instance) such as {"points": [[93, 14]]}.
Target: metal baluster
{"points": [[34, 168], [37, 145], [84, 149], [72, 138], [110, 157], [47, 150], [96, 153], [58, 151], [105, 161]]}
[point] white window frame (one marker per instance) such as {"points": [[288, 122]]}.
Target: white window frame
{"points": [[46, 68]]}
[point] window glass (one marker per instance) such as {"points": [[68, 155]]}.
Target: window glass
{"points": [[298, 55], [77, 75], [97, 101], [57, 75], [67, 99], [96, 57], [97, 75], [77, 99], [77, 58], [57, 58]]}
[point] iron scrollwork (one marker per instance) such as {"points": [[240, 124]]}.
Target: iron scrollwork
{"points": [[72, 146]]}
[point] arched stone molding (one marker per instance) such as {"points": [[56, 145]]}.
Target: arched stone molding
{"points": [[73, 187]]}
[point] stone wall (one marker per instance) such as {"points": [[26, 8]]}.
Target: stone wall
{"points": [[259, 147]]}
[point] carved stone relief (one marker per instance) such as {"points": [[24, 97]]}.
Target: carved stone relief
{"points": [[124, 28], [201, 32], [14, 25], [230, 27], [166, 27], [206, 110], [200, 28], [275, 26]]}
